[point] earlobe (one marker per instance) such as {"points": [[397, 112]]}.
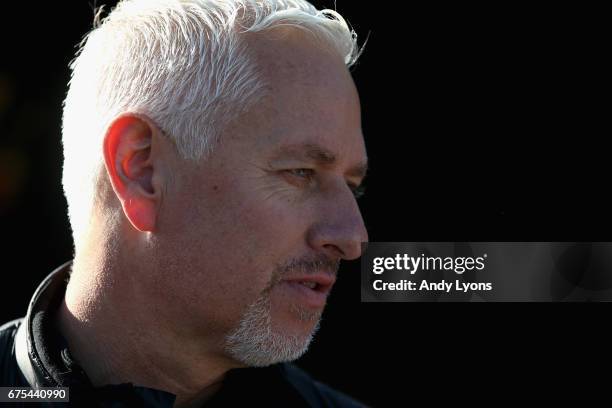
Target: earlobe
{"points": [[129, 164], [140, 214]]}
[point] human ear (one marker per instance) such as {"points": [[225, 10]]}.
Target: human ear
{"points": [[130, 167]]}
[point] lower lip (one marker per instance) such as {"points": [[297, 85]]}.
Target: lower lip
{"points": [[310, 297]]}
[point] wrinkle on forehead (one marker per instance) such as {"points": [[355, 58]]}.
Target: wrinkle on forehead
{"points": [[291, 54], [311, 96]]}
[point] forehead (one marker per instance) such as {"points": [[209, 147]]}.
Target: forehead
{"points": [[311, 97]]}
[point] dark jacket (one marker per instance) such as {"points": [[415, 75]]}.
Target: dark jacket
{"points": [[34, 354]]}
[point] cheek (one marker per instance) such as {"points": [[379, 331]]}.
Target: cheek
{"points": [[267, 222], [224, 242], [220, 255]]}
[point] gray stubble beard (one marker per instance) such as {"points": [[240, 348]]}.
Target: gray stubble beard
{"points": [[255, 343]]}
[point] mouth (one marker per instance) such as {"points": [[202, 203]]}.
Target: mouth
{"points": [[310, 290]]}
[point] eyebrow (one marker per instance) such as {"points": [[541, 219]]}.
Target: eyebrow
{"points": [[319, 155]]}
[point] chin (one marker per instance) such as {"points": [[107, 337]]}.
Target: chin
{"points": [[266, 336]]}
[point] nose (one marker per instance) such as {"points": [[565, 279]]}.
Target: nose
{"points": [[340, 229]]}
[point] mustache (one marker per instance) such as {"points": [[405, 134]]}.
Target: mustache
{"points": [[306, 265]]}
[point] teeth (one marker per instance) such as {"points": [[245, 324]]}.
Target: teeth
{"points": [[311, 285]]}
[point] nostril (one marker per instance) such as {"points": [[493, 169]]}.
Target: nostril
{"points": [[334, 251]]}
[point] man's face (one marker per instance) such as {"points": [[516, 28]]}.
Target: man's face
{"points": [[270, 208]]}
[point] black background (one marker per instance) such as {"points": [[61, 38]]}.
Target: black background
{"points": [[483, 122]]}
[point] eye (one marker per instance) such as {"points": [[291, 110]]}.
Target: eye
{"points": [[358, 191], [300, 177], [302, 173]]}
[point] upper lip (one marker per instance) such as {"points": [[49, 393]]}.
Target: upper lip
{"points": [[324, 280]]}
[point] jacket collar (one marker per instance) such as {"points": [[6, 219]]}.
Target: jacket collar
{"points": [[27, 353], [44, 359]]}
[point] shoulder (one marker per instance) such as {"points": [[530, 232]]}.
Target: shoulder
{"points": [[315, 392], [8, 363], [7, 336]]}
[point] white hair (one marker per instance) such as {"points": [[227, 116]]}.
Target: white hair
{"points": [[255, 343], [182, 63]]}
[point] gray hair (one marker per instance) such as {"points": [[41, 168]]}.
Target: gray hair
{"points": [[182, 63]]}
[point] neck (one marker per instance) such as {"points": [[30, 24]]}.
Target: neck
{"points": [[118, 335]]}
